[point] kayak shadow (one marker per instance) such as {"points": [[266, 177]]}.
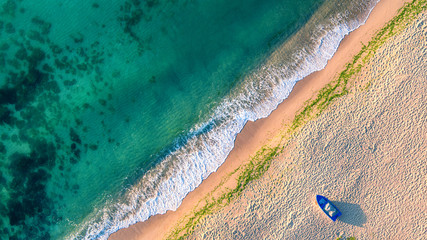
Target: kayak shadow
{"points": [[351, 213]]}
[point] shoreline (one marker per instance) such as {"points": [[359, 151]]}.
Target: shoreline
{"points": [[256, 134]]}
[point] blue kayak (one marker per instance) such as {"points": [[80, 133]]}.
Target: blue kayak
{"points": [[328, 208]]}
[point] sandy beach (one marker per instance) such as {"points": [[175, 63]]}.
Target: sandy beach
{"points": [[366, 153]]}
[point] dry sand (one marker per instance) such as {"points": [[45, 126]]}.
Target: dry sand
{"points": [[254, 135], [367, 154]]}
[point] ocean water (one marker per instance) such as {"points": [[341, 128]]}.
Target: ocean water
{"points": [[112, 111]]}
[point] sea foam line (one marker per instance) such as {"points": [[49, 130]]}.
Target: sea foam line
{"points": [[164, 187]]}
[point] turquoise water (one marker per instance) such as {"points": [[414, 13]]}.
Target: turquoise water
{"points": [[111, 112]]}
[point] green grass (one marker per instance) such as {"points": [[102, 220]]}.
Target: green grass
{"points": [[260, 163], [349, 238]]}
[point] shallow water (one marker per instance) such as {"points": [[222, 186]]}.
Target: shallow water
{"points": [[111, 112]]}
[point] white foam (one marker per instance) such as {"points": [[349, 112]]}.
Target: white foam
{"points": [[164, 187]]}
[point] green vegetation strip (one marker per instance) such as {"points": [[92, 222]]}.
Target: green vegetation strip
{"points": [[260, 163], [349, 238]]}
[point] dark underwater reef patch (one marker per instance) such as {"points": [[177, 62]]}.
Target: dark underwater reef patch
{"points": [[133, 12], [29, 208], [36, 74]]}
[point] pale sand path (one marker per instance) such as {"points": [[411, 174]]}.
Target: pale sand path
{"points": [[254, 135], [367, 153]]}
